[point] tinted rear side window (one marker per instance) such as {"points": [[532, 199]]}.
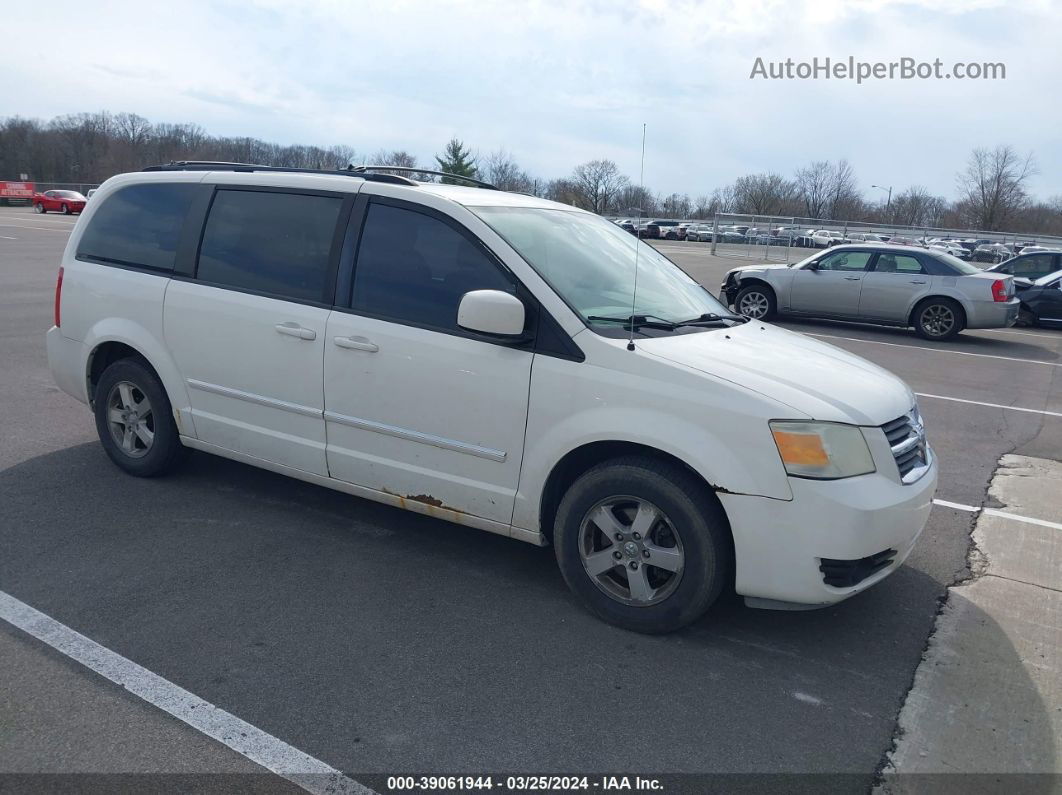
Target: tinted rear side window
{"points": [[275, 243], [414, 268], [138, 226]]}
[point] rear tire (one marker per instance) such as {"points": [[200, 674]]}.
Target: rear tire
{"points": [[938, 319], [134, 420], [659, 579], [756, 301]]}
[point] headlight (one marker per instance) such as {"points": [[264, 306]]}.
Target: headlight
{"points": [[822, 450]]}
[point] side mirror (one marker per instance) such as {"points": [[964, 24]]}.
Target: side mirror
{"points": [[493, 313], [811, 266]]}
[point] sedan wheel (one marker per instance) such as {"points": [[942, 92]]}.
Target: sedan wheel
{"points": [[755, 302], [631, 551], [66, 209], [39, 209], [939, 319]]}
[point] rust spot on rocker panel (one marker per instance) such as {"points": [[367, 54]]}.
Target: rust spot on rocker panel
{"points": [[427, 499]]}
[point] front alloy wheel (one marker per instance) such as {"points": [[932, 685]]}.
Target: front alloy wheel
{"points": [[631, 550], [643, 542], [755, 302]]}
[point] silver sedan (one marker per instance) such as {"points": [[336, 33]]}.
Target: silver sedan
{"points": [[938, 294]]}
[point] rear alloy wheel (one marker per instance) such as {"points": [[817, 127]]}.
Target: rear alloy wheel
{"points": [[756, 302], [134, 420], [39, 209], [643, 543], [938, 319]]}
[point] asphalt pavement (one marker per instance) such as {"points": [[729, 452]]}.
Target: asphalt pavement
{"points": [[381, 641]]}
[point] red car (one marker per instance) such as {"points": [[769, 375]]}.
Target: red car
{"points": [[60, 201]]}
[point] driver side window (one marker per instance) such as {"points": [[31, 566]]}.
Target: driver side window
{"points": [[845, 261]]}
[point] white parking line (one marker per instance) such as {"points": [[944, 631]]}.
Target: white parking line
{"points": [[958, 506], [990, 405], [934, 350], [271, 753], [43, 228], [6, 237], [1023, 333]]}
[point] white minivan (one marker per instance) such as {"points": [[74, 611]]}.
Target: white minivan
{"points": [[492, 359]]}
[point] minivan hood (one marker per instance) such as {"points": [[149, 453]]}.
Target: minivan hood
{"points": [[816, 379]]}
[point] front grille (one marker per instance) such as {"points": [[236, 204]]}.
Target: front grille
{"points": [[846, 573], [907, 439]]}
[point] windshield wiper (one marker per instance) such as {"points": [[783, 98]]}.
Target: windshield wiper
{"points": [[654, 322], [638, 321], [710, 319]]}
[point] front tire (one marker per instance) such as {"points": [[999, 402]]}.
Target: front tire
{"points": [[39, 209], [643, 544], [756, 301], [134, 420], [66, 209], [939, 319]]}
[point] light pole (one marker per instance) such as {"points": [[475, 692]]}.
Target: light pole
{"points": [[888, 202]]}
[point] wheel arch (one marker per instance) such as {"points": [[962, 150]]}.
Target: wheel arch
{"points": [[579, 460], [918, 303], [106, 346]]}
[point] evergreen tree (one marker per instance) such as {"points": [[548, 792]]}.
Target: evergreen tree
{"points": [[456, 159]]}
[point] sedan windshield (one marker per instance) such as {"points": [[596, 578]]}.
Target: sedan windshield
{"points": [[68, 194], [590, 264]]}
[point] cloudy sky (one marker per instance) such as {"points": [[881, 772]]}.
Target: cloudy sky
{"points": [[560, 83]]}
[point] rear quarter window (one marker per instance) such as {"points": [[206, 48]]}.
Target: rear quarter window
{"points": [[138, 226]]}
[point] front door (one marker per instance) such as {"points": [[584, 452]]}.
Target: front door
{"points": [[414, 406], [833, 287]]}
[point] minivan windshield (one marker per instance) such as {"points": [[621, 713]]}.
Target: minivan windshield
{"points": [[589, 262]]}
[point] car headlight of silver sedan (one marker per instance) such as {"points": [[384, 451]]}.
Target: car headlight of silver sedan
{"points": [[822, 450]]}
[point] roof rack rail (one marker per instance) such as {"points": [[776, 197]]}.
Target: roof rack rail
{"points": [[413, 170], [212, 165]]}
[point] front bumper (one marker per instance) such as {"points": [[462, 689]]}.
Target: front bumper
{"points": [[992, 314], [780, 545]]}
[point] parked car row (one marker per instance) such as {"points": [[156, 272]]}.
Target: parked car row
{"points": [[970, 249]]}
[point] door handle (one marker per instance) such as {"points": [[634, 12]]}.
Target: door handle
{"points": [[917, 281], [356, 344], [852, 278], [295, 330]]}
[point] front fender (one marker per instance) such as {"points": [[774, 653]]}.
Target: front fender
{"points": [[701, 426]]}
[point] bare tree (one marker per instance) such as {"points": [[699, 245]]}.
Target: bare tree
{"points": [[992, 186], [828, 190], [635, 200], [764, 194], [501, 170], [724, 199], [916, 206], [598, 183]]}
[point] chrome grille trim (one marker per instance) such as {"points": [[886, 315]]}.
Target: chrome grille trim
{"points": [[906, 436]]}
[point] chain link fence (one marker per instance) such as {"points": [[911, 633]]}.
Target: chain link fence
{"points": [[773, 238]]}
